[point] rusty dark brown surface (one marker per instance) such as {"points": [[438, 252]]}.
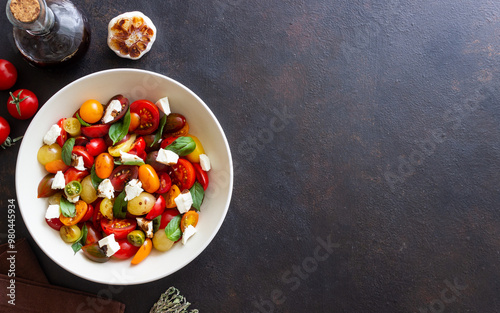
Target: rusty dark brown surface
{"points": [[365, 136]]}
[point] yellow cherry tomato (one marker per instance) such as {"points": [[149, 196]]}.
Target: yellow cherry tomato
{"points": [[172, 193], [104, 165], [194, 157], [72, 126], [106, 208], [124, 146], [143, 251], [149, 178], [189, 218], [91, 111], [49, 153]]}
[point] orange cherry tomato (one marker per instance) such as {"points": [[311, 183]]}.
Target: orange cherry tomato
{"points": [[91, 111], [143, 251], [189, 218], [135, 121], [149, 178], [104, 165], [55, 166], [81, 208], [171, 195]]}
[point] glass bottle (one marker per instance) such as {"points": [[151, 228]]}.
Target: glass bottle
{"points": [[48, 32]]}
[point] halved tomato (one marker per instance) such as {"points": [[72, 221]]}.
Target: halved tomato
{"points": [[127, 250], [95, 253], [183, 174], [88, 160], [61, 139], [157, 209], [122, 175], [119, 227], [89, 214], [167, 216], [168, 140], [165, 182], [95, 131], [54, 223], [149, 116], [125, 104], [81, 208], [72, 174]]}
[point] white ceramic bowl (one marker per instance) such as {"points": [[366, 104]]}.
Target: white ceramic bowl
{"points": [[134, 84]]}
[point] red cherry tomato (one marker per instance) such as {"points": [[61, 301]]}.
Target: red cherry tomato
{"points": [[93, 234], [127, 250], [119, 227], [149, 116], [4, 130], [55, 223], [165, 142], [96, 131], [81, 141], [123, 174], [138, 148], [157, 209], [96, 146], [167, 216], [201, 175], [64, 135], [183, 174], [72, 174], [8, 75], [22, 104], [88, 160], [165, 182], [89, 214], [96, 218]]}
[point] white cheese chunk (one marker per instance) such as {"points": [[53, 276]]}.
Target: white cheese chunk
{"points": [[112, 110], [146, 226], [59, 182], [51, 136], [188, 232], [163, 105], [111, 245], [74, 199], [128, 157], [53, 211], [106, 189], [167, 157], [79, 163], [205, 162], [184, 201], [133, 189]]}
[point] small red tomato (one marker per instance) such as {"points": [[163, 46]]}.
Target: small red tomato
{"points": [[4, 130], [8, 75], [96, 146], [22, 104]]}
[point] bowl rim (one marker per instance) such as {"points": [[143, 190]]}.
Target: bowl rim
{"points": [[208, 240]]}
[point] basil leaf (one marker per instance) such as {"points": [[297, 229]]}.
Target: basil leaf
{"points": [[160, 130], [118, 206], [120, 129], [138, 163], [67, 208], [173, 229], [67, 149], [182, 146], [94, 178], [197, 193], [81, 240], [156, 223], [82, 121]]}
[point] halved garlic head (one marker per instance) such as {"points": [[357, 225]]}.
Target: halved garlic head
{"points": [[131, 35]]}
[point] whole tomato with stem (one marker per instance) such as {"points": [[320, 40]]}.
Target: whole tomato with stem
{"points": [[22, 104]]}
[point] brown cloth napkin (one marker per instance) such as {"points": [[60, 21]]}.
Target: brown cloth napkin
{"points": [[34, 293]]}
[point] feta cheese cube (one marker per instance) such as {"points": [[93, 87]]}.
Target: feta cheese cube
{"points": [[74, 199], [106, 189], [112, 110], [167, 157], [79, 163], [146, 226], [188, 232], [51, 136], [111, 245], [184, 201], [205, 162], [133, 189], [53, 211], [128, 157], [59, 182], [163, 105]]}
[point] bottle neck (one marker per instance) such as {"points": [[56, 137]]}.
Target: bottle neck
{"points": [[33, 16]]}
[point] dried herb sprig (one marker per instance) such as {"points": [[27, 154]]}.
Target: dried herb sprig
{"points": [[171, 301]]}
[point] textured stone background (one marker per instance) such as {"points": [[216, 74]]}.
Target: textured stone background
{"points": [[372, 125]]}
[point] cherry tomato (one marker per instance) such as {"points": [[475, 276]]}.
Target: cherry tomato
{"points": [[54, 223], [96, 146], [4, 129], [49, 153], [89, 214], [138, 148], [135, 120], [88, 160], [201, 175], [97, 216], [122, 146], [22, 104], [189, 218], [122, 175], [149, 116], [194, 157], [165, 182], [127, 250], [72, 174], [64, 135], [151, 160], [157, 209], [151, 145], [171, 195], [142, 252], [95, 253], [93, 235], [175, 122], [81, 209], [119, 227], [8, 75], [81, 141], [167, 141], [55, 166], [167, 216], [149, 178], [183, 174], [45, 186], [91, 111], [95, 131], [104, 165], [72, 189], [125, 105], [72, 126]]}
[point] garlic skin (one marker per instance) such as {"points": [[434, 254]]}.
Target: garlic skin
{"points": [[131, 35]]}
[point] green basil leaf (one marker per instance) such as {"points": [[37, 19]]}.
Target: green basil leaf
{"points": [[82, 121], [118, 206], [156, 223], [94, 178], [197, 193], [138, 163], [182, 146], [160, 130], [67, 208], [77, 245], [67, 149], [120, 129], [173, 229]]}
